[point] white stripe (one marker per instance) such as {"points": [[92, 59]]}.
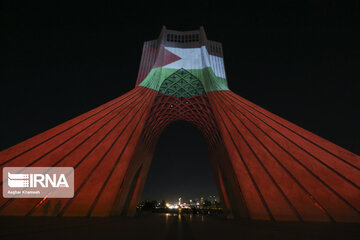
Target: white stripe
{"points": [[196, 58]]}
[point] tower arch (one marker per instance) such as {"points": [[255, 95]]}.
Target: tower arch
{"points": [[265, 167]]}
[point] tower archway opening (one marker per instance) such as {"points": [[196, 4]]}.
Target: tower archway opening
{"points": [[180, 168]]}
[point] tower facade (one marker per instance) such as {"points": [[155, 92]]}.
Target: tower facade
{"points": [[265, 167]]}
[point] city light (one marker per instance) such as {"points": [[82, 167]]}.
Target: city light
{"points": [[172, 206]]}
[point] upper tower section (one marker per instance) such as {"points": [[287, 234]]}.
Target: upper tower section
{"points": [[182, 50]]}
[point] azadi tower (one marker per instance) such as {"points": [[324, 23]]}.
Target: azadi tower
{"points": [[265, 167]]}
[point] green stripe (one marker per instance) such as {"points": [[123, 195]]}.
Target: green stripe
{"points": [[210, 81]]}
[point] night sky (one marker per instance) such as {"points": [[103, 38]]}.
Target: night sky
{"points": [[298, 60]]}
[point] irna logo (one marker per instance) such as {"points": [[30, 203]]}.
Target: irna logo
{"points": [[35, 180], [38, 182]]}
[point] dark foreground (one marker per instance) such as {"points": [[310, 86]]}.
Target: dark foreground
{"points": [[167, 226]]}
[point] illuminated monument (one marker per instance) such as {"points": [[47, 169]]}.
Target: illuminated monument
{"points": [[265, 167]]}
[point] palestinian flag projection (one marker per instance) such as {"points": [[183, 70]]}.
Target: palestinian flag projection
{"points": [[265, 167]]}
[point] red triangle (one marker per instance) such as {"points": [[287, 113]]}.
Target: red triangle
{"points": [[165, 57]]}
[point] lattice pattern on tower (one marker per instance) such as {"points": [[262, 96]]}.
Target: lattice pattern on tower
{"points": [[181, 98], [182, 84]]}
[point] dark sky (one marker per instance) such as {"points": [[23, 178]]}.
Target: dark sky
{"points": [[299, 60]]}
